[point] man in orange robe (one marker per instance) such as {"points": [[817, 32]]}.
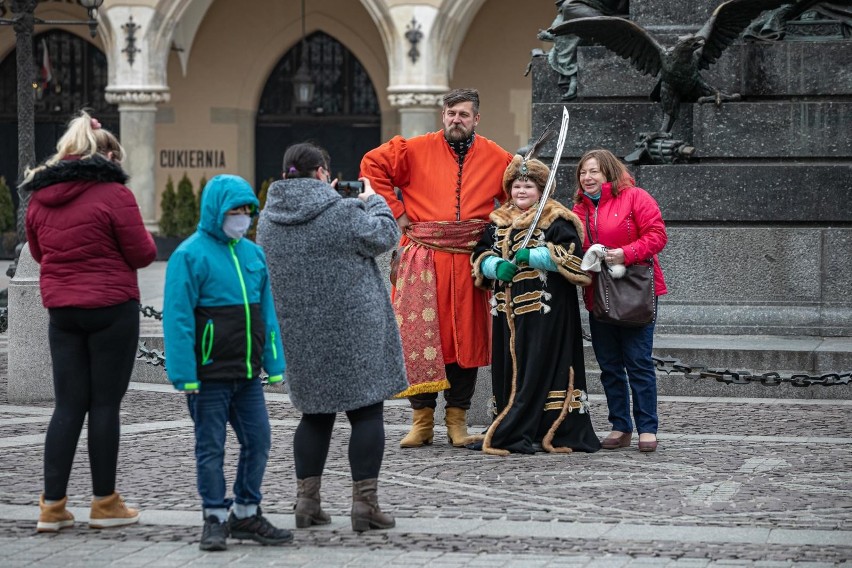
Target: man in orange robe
{"points": [[450, 181]]}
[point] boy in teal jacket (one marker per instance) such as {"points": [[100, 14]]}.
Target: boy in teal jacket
{"points": [[220, 329]]}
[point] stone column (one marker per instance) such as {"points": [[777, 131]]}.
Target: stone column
{"points": [[138, 50], [419, 112], [138, 110], [30, 368]]}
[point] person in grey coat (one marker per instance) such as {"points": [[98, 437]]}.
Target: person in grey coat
{"points": [[338, 328]]}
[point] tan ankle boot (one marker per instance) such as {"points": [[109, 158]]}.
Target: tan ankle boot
{"points": [[111, 512], [53, 517], [366, 514], [422, 429], [308, 510], [457, 426]]}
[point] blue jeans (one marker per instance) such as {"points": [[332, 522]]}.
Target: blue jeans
{"points": [[619, 349], [242, 404]]}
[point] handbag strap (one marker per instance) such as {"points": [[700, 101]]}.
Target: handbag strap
{"points": [[589, 227]]}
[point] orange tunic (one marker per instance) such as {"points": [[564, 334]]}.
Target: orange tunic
{"points": [[425, 170]]}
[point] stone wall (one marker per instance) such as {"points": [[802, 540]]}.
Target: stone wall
{"points": [[760, 226]]}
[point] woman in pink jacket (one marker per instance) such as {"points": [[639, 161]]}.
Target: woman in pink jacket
{"points": [[626, 220]]}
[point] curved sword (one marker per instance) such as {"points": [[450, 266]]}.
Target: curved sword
{"points": [[551, 179]]}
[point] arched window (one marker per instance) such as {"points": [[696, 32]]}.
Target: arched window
{"points": [[344, 116], [70, 74]]}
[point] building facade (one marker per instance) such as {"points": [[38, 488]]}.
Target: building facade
{"points": [[203, 87]]}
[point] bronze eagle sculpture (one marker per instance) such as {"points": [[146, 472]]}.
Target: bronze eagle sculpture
{"points": [[679, 66]]}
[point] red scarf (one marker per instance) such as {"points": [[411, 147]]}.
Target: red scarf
{"points": [[416, 303]]}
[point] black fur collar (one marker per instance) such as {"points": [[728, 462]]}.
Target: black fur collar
{"points": [[95, 168]]}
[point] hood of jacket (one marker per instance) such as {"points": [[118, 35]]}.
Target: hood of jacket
{"points": [[299, 200], [63, 181], [221, 194]]}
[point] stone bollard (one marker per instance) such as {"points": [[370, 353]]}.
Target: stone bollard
{"points": [[30, 367]]}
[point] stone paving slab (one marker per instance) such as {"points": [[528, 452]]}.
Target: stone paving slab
{"points": [[735, 482], [768, 482]]}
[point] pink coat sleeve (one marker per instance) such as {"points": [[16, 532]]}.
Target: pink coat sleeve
{"points": [[652, 236]]}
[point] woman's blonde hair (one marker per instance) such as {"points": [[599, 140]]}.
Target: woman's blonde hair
{"points": [[84, 137], [611, 167]]}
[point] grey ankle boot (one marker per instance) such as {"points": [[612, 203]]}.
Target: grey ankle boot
{"points": [[308, 510], [366, 514]]}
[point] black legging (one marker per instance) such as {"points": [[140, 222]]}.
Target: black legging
{"points": [[93, 354], [366, 443]]}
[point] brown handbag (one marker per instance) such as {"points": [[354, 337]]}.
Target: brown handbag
{"points": [[629, 301]]}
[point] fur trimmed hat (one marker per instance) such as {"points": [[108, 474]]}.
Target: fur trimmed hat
{"points": [[532, 169]]}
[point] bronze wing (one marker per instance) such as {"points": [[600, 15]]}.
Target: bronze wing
{"points": [[621, 36], [728, 21]]}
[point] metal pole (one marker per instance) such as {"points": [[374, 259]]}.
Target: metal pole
{"points": [[24, 25], [23, 22]]}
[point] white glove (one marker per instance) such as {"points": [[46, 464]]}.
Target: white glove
{"points": [[593, 261]]}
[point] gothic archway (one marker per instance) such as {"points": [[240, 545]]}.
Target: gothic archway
{"points": [[76, 79], [344, 116]]}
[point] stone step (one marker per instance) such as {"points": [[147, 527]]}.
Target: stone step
{"points": [[759, 353], [756, 354]]}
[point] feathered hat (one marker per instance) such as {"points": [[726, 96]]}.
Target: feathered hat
{"points": [[527, 167]]}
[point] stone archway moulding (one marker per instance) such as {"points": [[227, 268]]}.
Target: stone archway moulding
{"points": [[415, 87]]}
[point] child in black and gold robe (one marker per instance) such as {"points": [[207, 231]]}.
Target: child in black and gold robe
{"points": [[538, 375]]}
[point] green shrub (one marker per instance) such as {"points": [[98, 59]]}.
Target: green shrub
{"points": [[261, 196], [7, 208], [201, 185], [264, 189], [186, 208], [168, 227]]}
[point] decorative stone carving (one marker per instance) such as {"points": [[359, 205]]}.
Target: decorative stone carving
{"points": [[813, 20], [151, 96], [678, 67], [415, 99]]}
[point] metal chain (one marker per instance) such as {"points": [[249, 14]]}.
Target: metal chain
{"points": [[151, 356], [670, 365], [150, 312], [666, 365]]}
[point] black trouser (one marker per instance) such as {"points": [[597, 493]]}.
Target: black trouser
{"points": [[366, 443], [462, 385], [93, 353]]}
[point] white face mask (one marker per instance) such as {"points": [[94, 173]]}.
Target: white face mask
{"points": [[235, 226]]}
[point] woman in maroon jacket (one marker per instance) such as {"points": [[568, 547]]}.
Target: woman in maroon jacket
{"points": [[84, 229], [626, 220]]}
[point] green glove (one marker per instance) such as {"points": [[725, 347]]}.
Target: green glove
{"points": [[523, 256], [506, 271]]}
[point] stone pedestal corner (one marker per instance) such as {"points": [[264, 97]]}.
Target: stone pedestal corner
{"points": [[30, 366]]}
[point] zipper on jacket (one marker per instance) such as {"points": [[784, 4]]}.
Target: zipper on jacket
{"points": [[207, 342], [272, 341], [231, 245], [597, 232]]}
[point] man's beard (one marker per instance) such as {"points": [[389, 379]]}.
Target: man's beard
{"points": [[457, 133]]}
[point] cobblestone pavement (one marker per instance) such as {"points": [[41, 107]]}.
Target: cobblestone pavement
{"points": [[745, 482]]}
